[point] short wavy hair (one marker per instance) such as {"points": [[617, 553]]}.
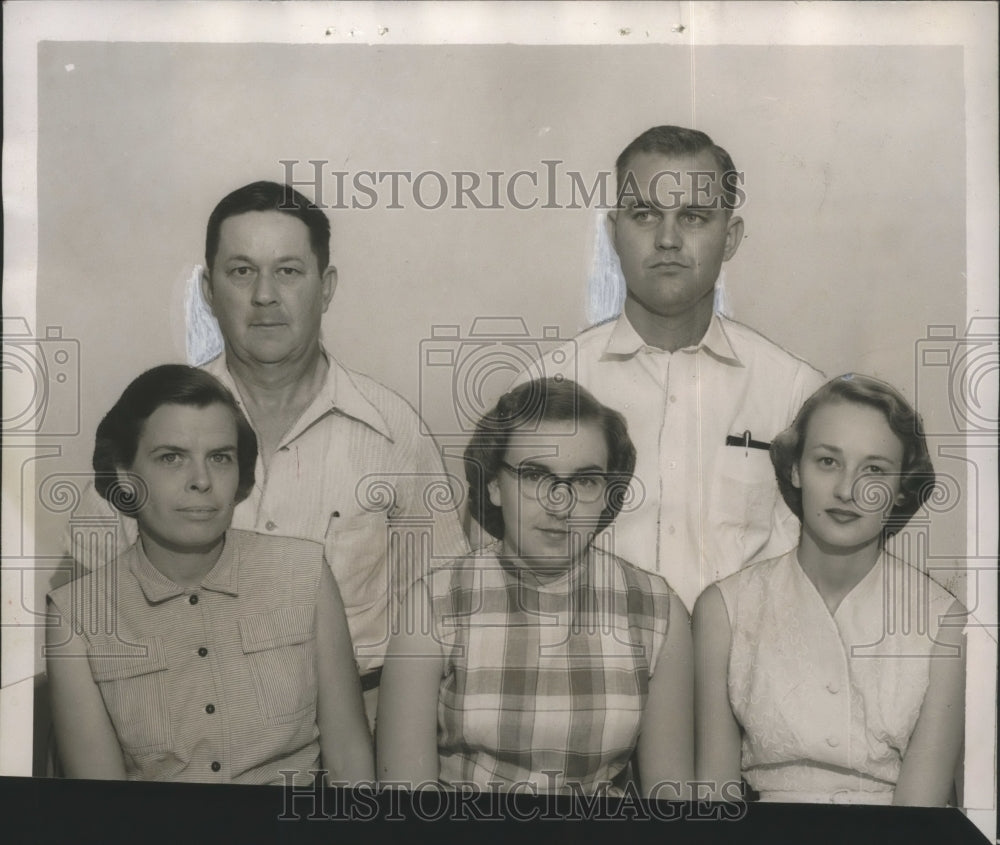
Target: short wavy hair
{"points": [[119, 432], [522, 409], [672, 141], [917, 477], [269, 196]]}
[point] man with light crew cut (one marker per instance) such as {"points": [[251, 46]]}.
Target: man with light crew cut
{"points": [[703, 395]]}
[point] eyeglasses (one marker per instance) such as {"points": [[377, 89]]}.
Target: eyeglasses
{"points": [[535, 483]]}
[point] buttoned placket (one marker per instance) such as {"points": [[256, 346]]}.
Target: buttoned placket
{"points": [[681, 415], [835, 699], [206, 705]]}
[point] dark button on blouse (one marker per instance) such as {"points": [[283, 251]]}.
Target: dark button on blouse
{"points": [[193, 599], [209, 708], [202, 652], [216, 765]]}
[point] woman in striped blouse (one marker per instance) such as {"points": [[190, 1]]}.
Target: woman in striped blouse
{"points": [[201, 653], [542, 662]]}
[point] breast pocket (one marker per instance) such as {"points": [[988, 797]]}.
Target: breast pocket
{"points": [[745, 488], [280, 646], [356, 548], [134, 693]]}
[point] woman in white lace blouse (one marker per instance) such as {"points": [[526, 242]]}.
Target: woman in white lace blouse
{"points": [[835, 673]]}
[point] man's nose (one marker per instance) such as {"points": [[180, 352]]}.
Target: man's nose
{"points": [[668, 235], [265, 289]]}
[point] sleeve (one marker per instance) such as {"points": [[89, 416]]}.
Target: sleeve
{"points": [[427, 505], [94, 529]]}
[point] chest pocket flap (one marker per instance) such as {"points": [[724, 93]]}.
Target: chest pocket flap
{"points": [[134, 692], [280, 646]]}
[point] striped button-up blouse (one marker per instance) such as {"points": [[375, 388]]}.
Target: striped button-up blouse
{"points": [[214, 683]]}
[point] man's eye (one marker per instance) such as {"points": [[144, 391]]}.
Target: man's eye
{"points": [[643, 215], [222, 458], [289, 271], [694, 219], [169, 458], [241, 272]]}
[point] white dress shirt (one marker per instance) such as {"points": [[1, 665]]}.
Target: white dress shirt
{"points": [[698, 509]]}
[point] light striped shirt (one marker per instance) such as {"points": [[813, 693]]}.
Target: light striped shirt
{"points": [[355, 474], [214, 683], [544, 681]]}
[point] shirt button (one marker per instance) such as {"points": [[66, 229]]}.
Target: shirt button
{"points": [[672, 464], [270, 525], [673, 398], [202, 651], [210, 708], [216, 765], [193, 599], [832, 741], [832, 688], [671, 530]]}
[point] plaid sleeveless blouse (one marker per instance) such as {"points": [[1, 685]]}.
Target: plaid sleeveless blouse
{"points": [[544, 681]]}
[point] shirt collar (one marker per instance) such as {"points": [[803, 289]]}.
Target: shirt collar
{"points": [[338, 394], [157, 587], [625, 341]]}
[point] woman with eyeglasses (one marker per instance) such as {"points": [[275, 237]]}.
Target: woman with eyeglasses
{"points": [[542, 662]]}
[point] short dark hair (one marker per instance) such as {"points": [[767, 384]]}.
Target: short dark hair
{"points": [[680, 141], [270, 196], [522, 409], [169, 384], [917, 477]]}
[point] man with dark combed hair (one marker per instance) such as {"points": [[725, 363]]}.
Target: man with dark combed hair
{"points": [[341, 456]]}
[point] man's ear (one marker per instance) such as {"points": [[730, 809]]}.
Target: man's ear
{"points": [[329, 285], [796, 481], [610, 223], [734, 236], [206, 288], [493, 488]]}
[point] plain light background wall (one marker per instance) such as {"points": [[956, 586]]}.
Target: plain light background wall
{"points": [[179, 126], [855, 212]]}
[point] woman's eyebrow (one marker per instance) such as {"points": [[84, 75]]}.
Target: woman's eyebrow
{"points": [[838, 451], [542, 467]]}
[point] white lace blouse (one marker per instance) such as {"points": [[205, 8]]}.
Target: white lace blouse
{"points": [[827, 703]]}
